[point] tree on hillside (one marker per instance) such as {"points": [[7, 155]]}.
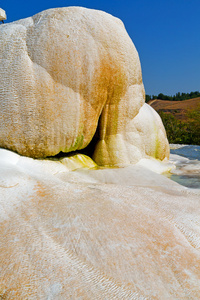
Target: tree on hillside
{"points": [[178, 97], [148, 98]]}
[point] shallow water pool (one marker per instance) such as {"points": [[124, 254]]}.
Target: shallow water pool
{"points": [[187, 161]]}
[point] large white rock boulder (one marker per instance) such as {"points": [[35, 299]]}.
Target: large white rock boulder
{"points": [[67, 72]]}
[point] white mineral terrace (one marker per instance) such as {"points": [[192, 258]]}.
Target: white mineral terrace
{"points": [[90, 233]]}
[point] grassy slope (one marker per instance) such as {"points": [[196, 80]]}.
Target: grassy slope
{"points": [[179, 109], [181, 119]]}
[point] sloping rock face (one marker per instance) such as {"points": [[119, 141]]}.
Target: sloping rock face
{"points": [[66, 73], [121, 233]]}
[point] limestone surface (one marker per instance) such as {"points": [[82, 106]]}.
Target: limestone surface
{"points": [[67, 73]]}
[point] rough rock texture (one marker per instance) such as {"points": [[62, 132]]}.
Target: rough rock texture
{"points": [[2, 14], [123, 233], [63, 72]]}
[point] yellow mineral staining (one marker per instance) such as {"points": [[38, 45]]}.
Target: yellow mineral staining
{"points": [[78, 161]]}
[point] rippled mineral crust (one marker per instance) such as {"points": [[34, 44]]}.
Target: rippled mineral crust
{"points": [[122, 233], [66, 72]]}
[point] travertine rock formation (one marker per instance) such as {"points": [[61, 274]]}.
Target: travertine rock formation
{"points": [[63, 73], [2, 14]]}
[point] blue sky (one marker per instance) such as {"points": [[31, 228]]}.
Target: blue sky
{"points": [[166, 34]]}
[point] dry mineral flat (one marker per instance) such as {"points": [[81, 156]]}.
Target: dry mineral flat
{"points": [[124, 233]]}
